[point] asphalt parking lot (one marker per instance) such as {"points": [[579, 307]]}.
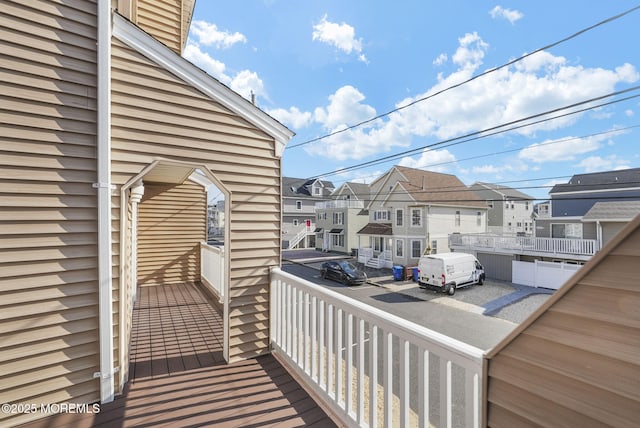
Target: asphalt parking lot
{"points": [[498, 299]]}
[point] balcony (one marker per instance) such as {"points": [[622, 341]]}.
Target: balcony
{"points": [[581, 249], [339, 203]]}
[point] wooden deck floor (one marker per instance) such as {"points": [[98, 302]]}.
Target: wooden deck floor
{"points": [[178, 376]]}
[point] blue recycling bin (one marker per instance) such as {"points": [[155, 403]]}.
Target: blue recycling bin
{"points": [[397, 272], [416, 276]]}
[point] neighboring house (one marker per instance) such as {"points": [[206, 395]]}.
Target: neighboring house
{"points": [[109, 139], [339, 220], [510, 211], [215, 221], [566, 231], [412, 212], [576, 360], [299, 198], [570, 202]]}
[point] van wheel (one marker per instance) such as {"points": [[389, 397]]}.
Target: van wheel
{"points": [[480, 280], [451, 290]]}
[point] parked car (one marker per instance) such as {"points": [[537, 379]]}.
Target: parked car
{"points": [[448, 271], [344, 272]]}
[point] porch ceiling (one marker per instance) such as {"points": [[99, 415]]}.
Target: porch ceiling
{"points": [[167, 173]]}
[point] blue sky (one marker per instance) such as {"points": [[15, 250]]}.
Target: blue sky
{"points": [[320, 66]]}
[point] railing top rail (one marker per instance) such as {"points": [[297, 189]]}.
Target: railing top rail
{"points": [[401, 327], [215, 248]]}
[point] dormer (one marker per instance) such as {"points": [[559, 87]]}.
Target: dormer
{"points": [[167, 21]]}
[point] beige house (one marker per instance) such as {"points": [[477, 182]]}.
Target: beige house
{"points": [[109, 139]]}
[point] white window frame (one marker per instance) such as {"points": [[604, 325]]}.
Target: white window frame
{"points": [[381, 215], [419, 252], [338, 217], [299, 205], [399, 247], [418, 217], [400, 217], [457, 219]]}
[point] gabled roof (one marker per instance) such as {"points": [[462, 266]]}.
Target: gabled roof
{"points": [[613, 211], [607, 180], [436, 188], [360, 191], [376, 229], [504, 191], [133, 36], [301, 187]]}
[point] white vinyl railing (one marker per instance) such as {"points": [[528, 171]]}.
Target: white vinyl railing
{"points": [[212, 268], [524, 244], [370, 367], [339, 203]]}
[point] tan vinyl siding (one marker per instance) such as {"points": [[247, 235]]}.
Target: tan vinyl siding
{"points": [[163, 20], [578, 363], [171, 225], [167, 118], [48, 218]]}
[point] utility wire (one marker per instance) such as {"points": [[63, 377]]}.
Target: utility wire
{"points": [[548, 143], [549, 46], [492, 130]]}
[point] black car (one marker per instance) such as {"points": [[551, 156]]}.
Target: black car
{"points": [[344, 272]]}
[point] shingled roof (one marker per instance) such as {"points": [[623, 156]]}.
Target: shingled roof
{"points": [[436, 188]]}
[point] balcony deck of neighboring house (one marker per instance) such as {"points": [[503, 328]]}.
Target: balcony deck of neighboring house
{"points": [[579, 249], [178, 376]]}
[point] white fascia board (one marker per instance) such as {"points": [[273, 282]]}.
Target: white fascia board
{"points": [[605, 190], [146, 45]]}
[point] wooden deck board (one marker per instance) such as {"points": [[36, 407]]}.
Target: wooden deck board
{"points": [[179, 378]]}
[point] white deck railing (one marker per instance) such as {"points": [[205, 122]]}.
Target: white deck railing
{"points": [[339, 203], [525, 244], [212, 268], [370, 367]]}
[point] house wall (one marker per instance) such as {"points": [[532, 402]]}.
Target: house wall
{"points": [[171, 225], [442, 223], [610, 229], [155, 114], [578, 357], [49, 337], [163, 20], [543, 227]]}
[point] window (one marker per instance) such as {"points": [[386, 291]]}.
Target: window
{"points": [[434, 247], [338, 218], [526, 205], [317, 191], [381, 215], [519, 224], [479, 219], [295, 222], [299, 205], [377, 243], [399, 247], [399, 217], [416, 217], [566, 230], [337, 239], [457, 220], [416, 249]]}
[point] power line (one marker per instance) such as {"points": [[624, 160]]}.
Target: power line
{"points": [[549, 46], [494, 130], [548, 143]]}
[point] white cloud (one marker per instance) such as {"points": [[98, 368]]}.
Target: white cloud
{"points": [[193, 53], [441, 59], [209, 35], [629, 113], [510, 15], [293, 117], [561, 150], [344, 108], [433, 160], [486, 169], [243, 82], [341, 36], [608, 163], [470, 52]]}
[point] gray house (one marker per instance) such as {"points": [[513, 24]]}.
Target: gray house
{"points": [[299, 198], [509, 211], [339, 220], [570, 202]]}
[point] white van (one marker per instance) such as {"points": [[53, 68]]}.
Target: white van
{"points": [[447, 271]]}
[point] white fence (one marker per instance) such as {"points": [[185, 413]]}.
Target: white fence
{"points": [[525, 244], [542, 274], [370, 367], [212, 268]]}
